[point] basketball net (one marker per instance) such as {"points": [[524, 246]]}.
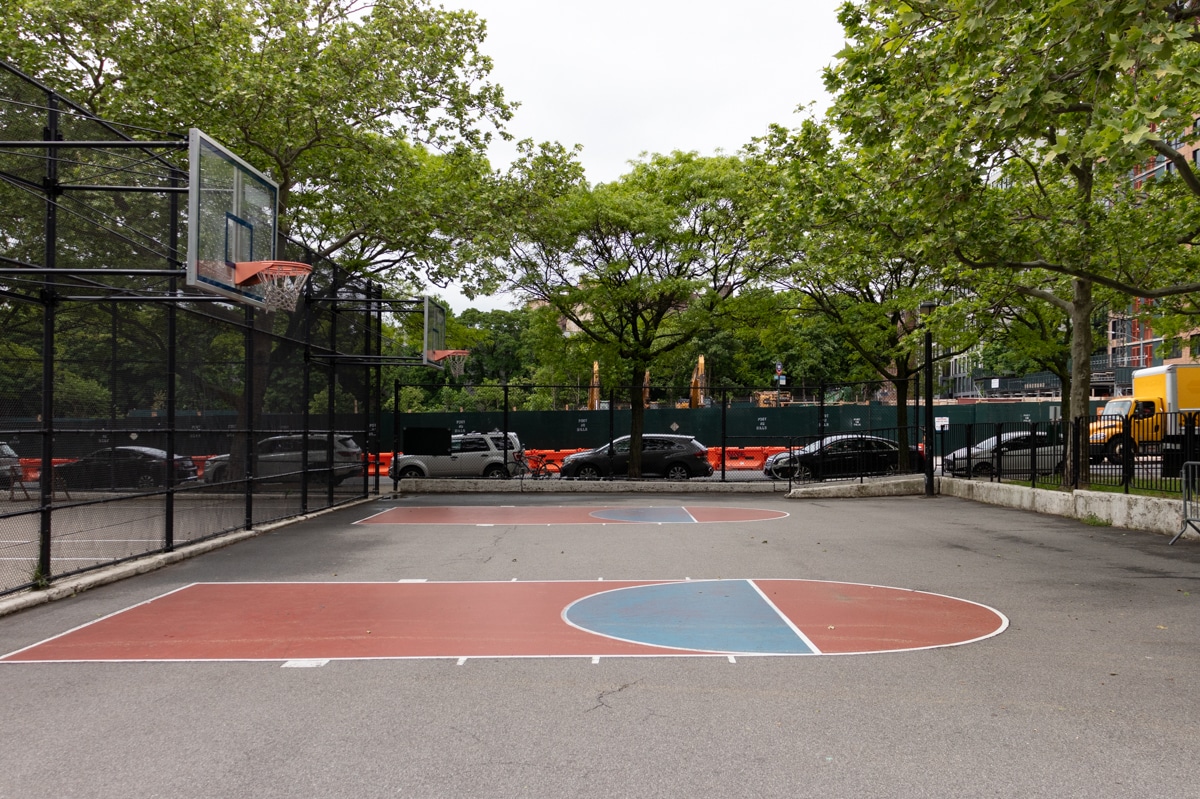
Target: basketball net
{"points": [[282, 281], [454, 360], [456, 363]]}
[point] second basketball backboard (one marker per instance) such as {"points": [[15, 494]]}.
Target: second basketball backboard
{"points": [[433, 333]]}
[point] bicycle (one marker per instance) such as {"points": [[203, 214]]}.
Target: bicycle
{"points": [[535, 467]]}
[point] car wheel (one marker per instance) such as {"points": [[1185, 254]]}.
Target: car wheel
{"points": [[218, 474], [146, 481], [803, 474], [891, 469], [1116, 449], [495, 472], [588, 472], [782, 470], [410, 471], [677, 471], [982, 469]]}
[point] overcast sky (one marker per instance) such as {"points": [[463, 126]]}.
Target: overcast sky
{"points": [[624, 78]]}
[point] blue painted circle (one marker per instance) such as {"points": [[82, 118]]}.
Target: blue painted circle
{"points": [[665, 515], [701, 615]]}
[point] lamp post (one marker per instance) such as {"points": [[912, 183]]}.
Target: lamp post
{"points": [[926, 308]]}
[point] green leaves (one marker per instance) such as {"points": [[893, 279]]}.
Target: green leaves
{"points": [[373, 119]]}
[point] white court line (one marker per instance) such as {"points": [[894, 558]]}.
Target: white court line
{"points": [[786, 620], [97, 621]]}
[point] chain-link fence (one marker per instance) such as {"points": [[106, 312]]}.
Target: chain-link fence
{"points": [[137, 416], [741, 429]]}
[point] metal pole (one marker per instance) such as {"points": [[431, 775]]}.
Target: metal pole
{"points": [[929, 413], [724, 428], [172, 373], [49, 322]]}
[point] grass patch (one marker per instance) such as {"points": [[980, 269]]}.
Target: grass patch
{"points": [[1163, 489]]}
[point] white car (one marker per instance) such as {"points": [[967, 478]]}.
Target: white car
{"points": [[281, 458], [471, 455], [1012, 454]]}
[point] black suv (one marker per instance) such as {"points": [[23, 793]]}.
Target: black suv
{"points": [[671, 456]]}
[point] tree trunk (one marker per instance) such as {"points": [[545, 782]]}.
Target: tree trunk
{"points": [[1082, 306], [902, 415]]}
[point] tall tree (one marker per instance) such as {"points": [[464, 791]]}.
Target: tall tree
{"points": [[852, 249], [1064, 97], [643, 265]]}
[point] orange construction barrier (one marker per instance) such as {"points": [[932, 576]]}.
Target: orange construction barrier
{"points": [[31, 468], [553, 456]]}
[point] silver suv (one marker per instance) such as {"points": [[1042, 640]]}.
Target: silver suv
{"points": [[471, 455], [10, 465], [281, 458]]}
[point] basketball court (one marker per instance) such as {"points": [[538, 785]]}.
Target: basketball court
{"points": [[316, 622]]}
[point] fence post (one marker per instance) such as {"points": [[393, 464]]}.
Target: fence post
{"points": [[612, 427], [395, 423], [248, 410], [821, 410], [1033, 454], [1076, 456], [1189, 437], [1127, 453], [172, 420], [724, 428], [970, 445], [997, 462]]}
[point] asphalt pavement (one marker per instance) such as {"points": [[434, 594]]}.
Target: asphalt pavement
{"points": [[1087, 693]]}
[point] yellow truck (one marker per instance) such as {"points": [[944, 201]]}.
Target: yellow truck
{"points": [[1159, 394]]}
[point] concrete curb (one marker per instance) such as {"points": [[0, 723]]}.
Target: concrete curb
{"points": [[906, 486], [1152, 514]]}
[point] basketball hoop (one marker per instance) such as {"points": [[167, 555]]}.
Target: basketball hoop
{"points": [[454, 360], [283, 281]]}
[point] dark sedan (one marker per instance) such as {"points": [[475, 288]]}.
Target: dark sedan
{"points": [[842, 456], [124, 467], [674, 457]]}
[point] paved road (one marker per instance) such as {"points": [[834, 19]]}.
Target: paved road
{"points": [[1089, 693]]}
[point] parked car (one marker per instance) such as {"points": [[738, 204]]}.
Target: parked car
{"points": [[1010, 454], [125, 467], [471, 455], [282, 458], [841, 456], [675, 457], [10, 465]]}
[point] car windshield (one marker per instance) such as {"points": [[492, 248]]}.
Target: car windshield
{"points": [[816, 445], [1116, 407]]}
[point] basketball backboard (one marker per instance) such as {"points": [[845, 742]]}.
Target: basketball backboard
{"points": [[232, 218], [434, 333]]}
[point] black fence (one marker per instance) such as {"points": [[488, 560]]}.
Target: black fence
{"points": [[1005, 442], [1129, 455], [118, 384]]}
